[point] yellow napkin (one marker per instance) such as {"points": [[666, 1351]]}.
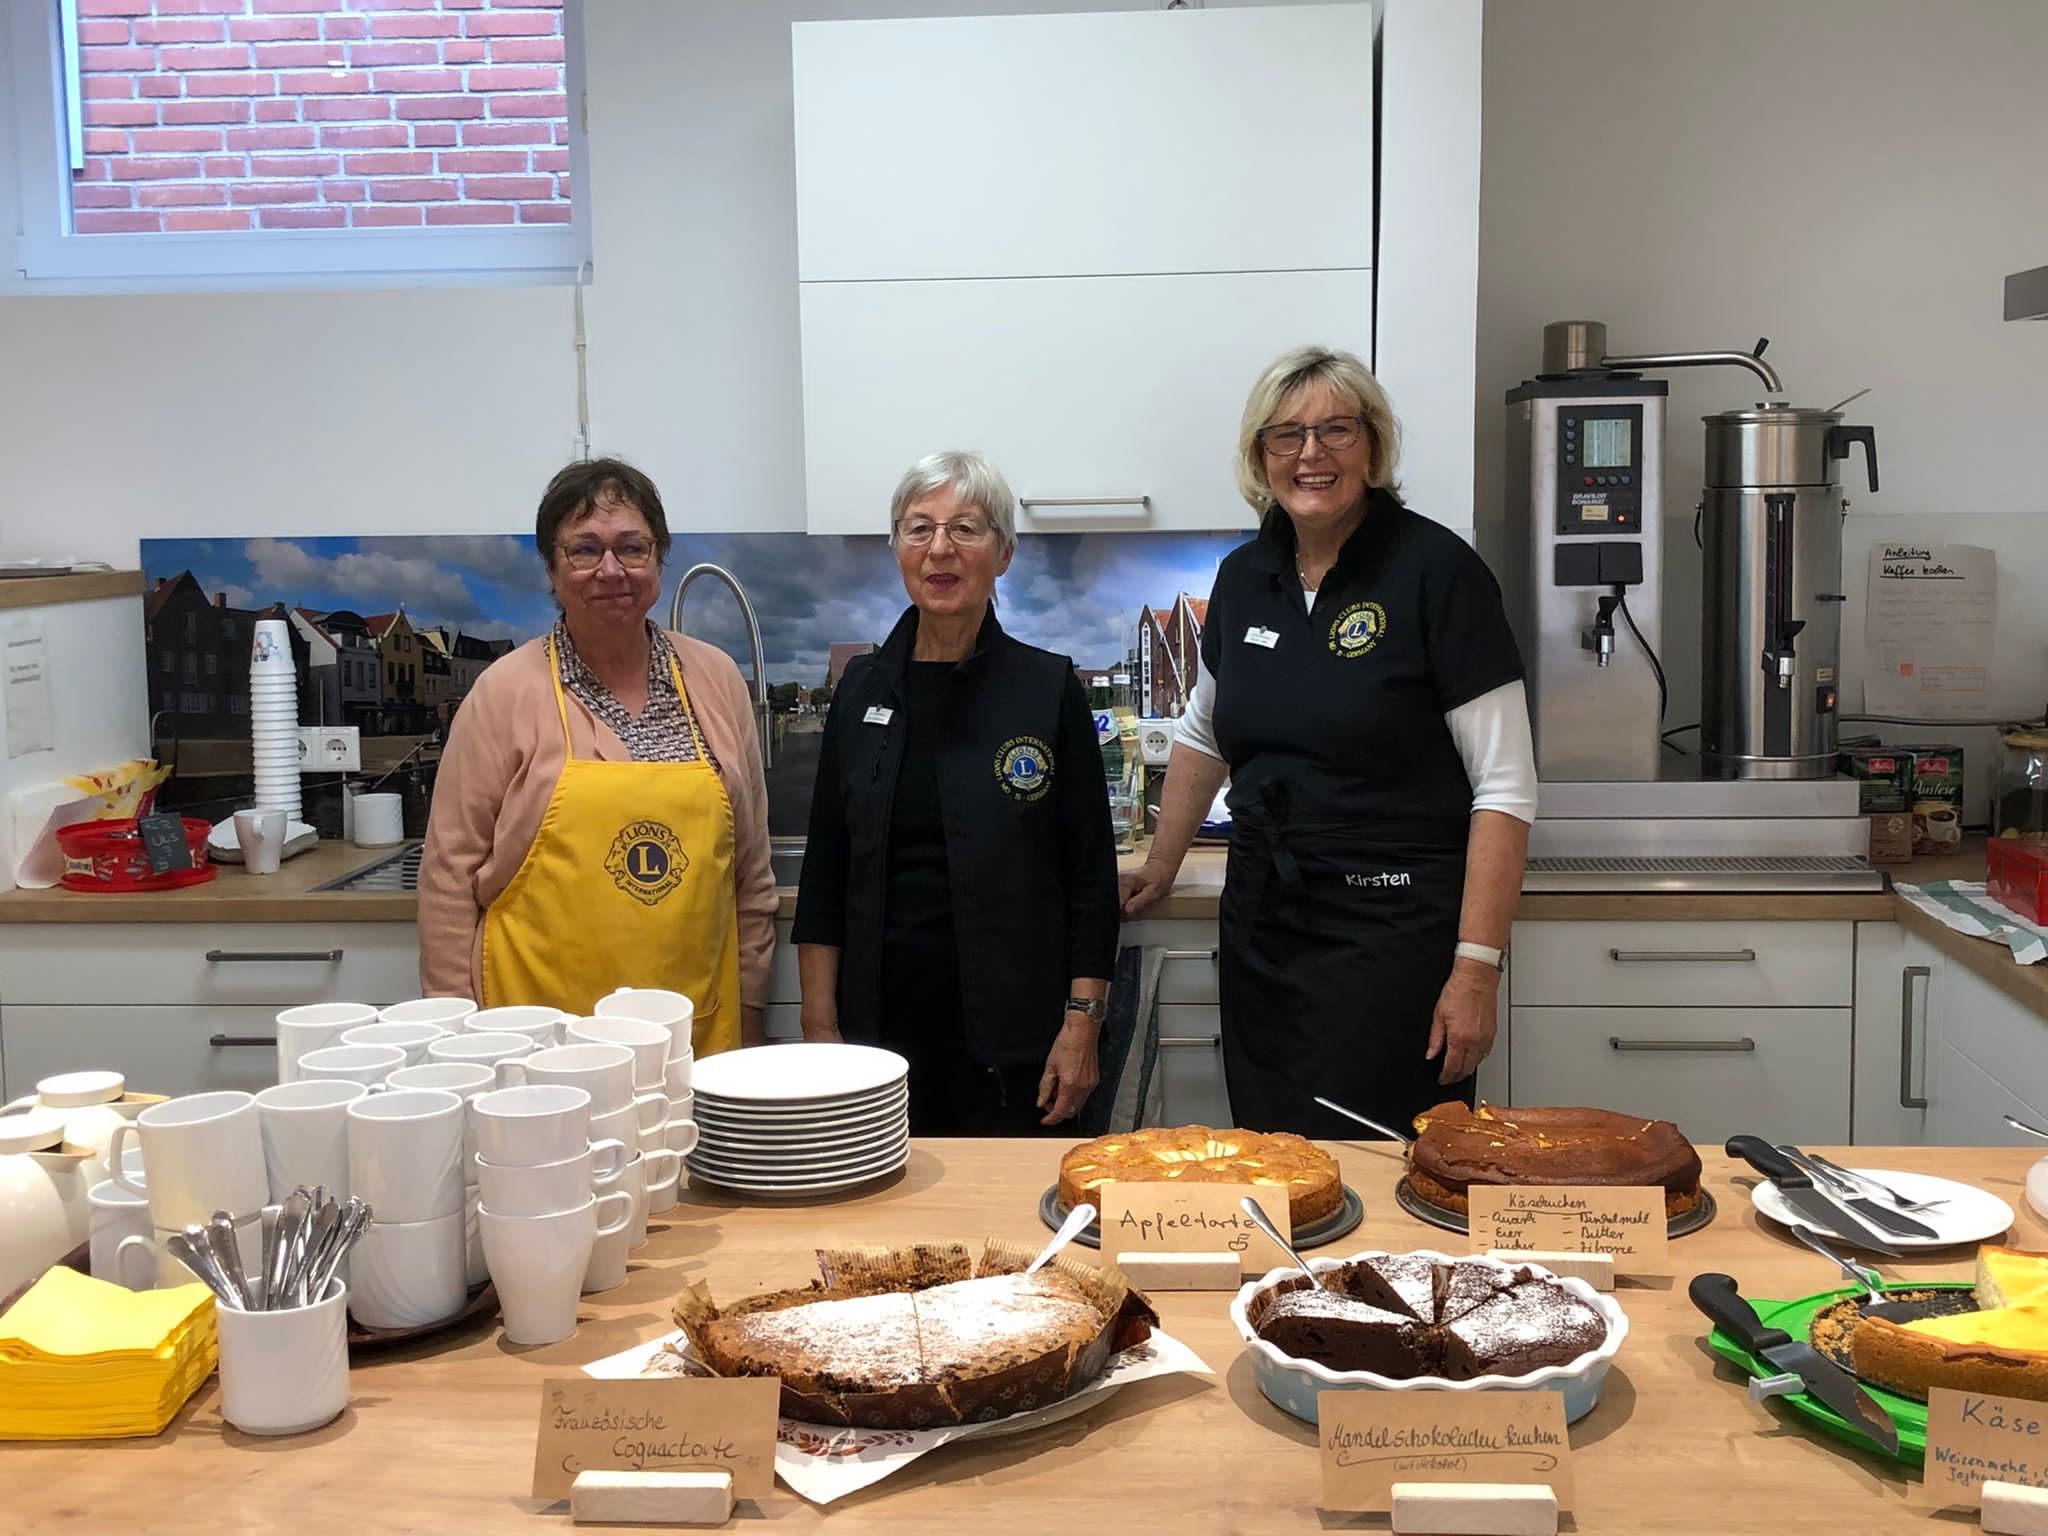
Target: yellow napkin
{"points": [[69, 1316], [80, 1358]]}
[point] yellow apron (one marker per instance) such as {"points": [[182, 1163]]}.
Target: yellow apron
{"points": [[629, 883]]}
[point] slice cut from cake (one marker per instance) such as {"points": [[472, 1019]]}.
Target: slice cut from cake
{"points": [[2009, 1277], [1347, 1335]]}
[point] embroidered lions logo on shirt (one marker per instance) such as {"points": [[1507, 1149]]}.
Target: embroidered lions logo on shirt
{"points": [[1024, 767], [1358, 629], [646, 861]]}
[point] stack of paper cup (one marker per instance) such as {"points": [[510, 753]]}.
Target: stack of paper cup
{"points": [[274, 718]]}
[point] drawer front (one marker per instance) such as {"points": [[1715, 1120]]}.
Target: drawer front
{"points": [[159, 1049], [1694, 965], [783, 984], [1188, 971], [783, 1021], [1782, 1074], [225, 963]]}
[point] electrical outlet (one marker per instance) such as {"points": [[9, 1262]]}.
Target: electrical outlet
{"points": [[330, 749]]}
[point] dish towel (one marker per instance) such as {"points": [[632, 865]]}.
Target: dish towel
{"points": [[1128, 1051], [83, 1359], [1964, 906]]}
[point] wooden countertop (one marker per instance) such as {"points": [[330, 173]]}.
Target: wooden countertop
{"points": [[83, 586], [440, 1437], [232, 896]]}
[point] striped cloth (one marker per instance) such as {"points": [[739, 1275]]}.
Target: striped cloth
{"points": [[1964, 906]]}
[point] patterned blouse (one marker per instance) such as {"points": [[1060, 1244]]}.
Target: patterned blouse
{"points": [[662, 733]]}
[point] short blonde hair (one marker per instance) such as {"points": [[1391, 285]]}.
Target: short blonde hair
{"points": [[975, 481], [1345, 375]]}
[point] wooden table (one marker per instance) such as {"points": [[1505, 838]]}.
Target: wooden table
{"points": [[441, 1440]]}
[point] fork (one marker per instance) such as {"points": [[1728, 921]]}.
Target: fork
{"points": [[1886, 1190]]}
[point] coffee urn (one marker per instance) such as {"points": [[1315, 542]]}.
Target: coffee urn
{"points": [[1771, 633]]}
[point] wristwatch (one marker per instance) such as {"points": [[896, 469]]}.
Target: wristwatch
{"points": [[1097, 1008], [1485, 954]]}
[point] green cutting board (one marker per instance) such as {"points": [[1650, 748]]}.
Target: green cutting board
{"points": [[1796, 1318]]}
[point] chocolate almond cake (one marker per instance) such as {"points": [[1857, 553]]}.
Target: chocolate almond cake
{"points": [[1457, 1146]]}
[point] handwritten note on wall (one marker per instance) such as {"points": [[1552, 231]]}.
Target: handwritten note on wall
{"points": [[1627, 1221], [1929, 621]]}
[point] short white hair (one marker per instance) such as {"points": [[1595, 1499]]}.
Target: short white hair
{"points": [[974, 481]]}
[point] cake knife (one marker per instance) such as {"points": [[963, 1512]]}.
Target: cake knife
{"points": [[1838, 1187], [1351, 1114], [1813, 1205], [1717, 1296]]}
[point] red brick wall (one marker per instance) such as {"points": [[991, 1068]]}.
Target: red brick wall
{"points": [[320, 114]]}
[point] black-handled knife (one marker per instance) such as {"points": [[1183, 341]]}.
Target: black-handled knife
{"points": [[1815, 1207], [1717, 1296], [1834, 1183]]}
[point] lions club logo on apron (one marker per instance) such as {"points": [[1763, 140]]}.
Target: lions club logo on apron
{"points": [[1358, 629], [646, 861], [1024, 767]]}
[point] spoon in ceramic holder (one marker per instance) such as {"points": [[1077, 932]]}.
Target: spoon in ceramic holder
{"points": [[1264, 1223], [1075, 1224]]}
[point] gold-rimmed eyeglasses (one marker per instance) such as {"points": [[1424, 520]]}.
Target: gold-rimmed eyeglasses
{"points": [[1287, 440], [632, 553], [962, 532]]}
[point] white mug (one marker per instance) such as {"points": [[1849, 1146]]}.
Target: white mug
{"points": [[538, 1262], [664, 1183], [541, 1189], [681, 1107], [405, 1155], [538, 1123], [406, 1274], [123, 1246], [284, 1372], [413, 1039], [602, 1070], [633, 1178], [500, 1051], [448, 1012], [365, 1064], [656, 1005], [478, 1272], [541, 1025], [305, 1134], [380, 820], [676, 1077], [649, 1044], [204, 1153], [312, 1026], [627, 1125], [260, 836], [466, 1080]]}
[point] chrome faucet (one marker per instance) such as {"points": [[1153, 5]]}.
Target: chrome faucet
{"points": [[762, 720]]}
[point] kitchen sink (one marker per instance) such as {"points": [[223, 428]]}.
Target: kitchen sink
{"points": [[398, 870]]}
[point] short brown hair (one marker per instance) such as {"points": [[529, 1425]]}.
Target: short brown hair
{"points": [[576, 490]]}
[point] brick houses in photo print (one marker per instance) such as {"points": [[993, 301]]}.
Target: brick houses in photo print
{"points": [[1169, 647]]}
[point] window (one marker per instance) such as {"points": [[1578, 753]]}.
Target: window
{"points": [[166, 143], [191, 670], [238, 703], [167, 662], [212, 664]]}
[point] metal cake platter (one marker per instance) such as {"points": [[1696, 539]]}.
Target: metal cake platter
{"points": [[1457, 1221], [1344, 1219]]}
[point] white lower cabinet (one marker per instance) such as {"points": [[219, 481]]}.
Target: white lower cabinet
{"points": [[1781, 1073], [1190, 1066], [170, 1050]]}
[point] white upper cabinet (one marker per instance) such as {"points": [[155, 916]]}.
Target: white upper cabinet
{"points": [[1227, 140], [1107, 402]]}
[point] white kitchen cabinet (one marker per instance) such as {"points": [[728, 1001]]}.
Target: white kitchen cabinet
{"points": [[159, 1049], [1080, 390], [1190, 1066], [1987, 1056], [1692, 965], [1780, 1073], [1898, 978], [1037, 146]]}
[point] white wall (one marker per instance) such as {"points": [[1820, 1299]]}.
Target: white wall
{"points": [[1853, 179]]}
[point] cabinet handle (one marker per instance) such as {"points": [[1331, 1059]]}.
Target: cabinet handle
{"points": [[261, 956], [1212, 1041], [1189, 954], [219, 1042], [1743, 1044], [1681, 956], [1907, 976], [1143, 503]]}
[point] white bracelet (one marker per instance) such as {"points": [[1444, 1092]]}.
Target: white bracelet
{"points": [[1485, 954]]}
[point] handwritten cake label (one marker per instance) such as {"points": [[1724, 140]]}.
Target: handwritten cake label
{"points": [[1373, 1440], [1627, 1221], [678, 1424], [1144, 1217], [1974, 1438]]}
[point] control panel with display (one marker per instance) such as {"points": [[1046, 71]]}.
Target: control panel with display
{"points": [[1599, 469]]}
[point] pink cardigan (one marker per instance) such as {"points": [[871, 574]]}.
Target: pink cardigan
{"points": [[499, 769]]}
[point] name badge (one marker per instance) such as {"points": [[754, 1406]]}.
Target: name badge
{"points": [[877, 715], [1266, 637]]}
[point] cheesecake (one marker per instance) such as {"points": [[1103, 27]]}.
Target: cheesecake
{"points": [[2001, 1347]]}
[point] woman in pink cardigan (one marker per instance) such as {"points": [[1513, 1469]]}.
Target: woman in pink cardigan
{"points": [[600, 819]]}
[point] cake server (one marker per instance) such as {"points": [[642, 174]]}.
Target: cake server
{"points": [[1814, 1206], [1876, 1300], [1717, 1296], [1351, 1114], [1075, 1224], [1265, 1224], [1837, 1187]]}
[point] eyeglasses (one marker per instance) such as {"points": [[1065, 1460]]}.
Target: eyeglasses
{"points": [[1336, 434], [634, 554], [964, 532]]}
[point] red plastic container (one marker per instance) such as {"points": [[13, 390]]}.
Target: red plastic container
{"points": [[2016, 873], [109, 856]]}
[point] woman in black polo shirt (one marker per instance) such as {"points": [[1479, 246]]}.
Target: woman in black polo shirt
{"points": [[1361, 691], [958, 901]]}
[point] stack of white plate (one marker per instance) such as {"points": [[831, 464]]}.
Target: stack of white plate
{"points": [[786, 1121]]}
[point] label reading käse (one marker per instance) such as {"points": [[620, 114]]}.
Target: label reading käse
{"points": [[1974, 1438]]}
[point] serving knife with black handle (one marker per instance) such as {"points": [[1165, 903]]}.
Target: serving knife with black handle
{"points": [[1813, 1205], [1717, 1297], [1837, 1186]]}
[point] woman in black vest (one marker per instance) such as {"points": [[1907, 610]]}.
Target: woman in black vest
{"points": [[1361, 691], [958, 901]]}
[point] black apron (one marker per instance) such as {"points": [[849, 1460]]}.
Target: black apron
{"points": [[1335, 943]]}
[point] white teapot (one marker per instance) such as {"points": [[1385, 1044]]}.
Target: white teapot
{"points": [[43, 1209]]}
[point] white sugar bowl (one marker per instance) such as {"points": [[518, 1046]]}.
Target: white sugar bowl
{"points": [[43, 1210], [88, 1103]]}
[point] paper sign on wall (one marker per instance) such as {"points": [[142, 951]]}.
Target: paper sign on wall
{"points": [[1192, 1218], [1373, 1440], [25, 679], [1929, 625], [1627, 1221], [1974, 1438], [667, 1425]]}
